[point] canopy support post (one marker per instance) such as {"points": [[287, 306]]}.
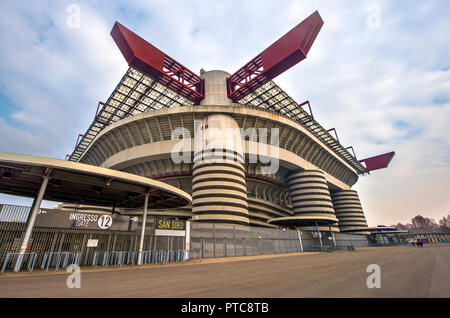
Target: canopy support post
{"points": [[144, 220], [31, 219]]}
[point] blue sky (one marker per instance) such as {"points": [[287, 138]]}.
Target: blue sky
{"points": [[384, 86]]}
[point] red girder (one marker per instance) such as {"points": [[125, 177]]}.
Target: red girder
{"points": [[335, 133], [277, 58], [378, 162], [98, 108], [78, 139], [299, 106], [145, 57], [351, 147]]}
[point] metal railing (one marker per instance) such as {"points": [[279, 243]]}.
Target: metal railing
{"points": [[29, 262], [59, 259], [320, 249]]}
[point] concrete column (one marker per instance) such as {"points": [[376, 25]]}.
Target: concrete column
{"points": [[144, 220], [216, 88], [320, 237], [187, 246], [300, 239], [31, 219], [332, 236]]}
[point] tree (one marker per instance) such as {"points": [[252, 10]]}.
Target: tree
{"points": [[423, 224], [444, 223]]}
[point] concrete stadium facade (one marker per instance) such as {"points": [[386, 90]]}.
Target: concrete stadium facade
{"points": [[242, 147], [308, 180]]}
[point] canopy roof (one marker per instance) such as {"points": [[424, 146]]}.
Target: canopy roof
{"points": [[74, 182], [304, 220], [377, 229]]}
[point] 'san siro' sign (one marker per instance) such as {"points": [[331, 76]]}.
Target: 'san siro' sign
{"points": [[170, 227]]}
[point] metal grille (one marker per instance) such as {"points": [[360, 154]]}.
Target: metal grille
{"points": [[14, 213], [220, 240], [54, 240], [136, 93], [270, 96]]}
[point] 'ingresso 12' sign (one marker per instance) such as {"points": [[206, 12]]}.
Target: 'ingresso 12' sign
{"points": [[82, 220]]}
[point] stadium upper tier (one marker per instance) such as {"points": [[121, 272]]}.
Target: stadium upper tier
{"points": [[146, 130], [138, 93]]}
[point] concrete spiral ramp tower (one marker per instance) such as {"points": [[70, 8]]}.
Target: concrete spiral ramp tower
{"points": [[311, 200], [218, 181], [348, 210]]}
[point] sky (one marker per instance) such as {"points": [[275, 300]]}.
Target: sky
{"points": [[378, 72]]}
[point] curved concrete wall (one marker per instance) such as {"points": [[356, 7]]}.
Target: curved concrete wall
{"points": [[149, 134], [309, 193], [348, 209], [219, 189]]}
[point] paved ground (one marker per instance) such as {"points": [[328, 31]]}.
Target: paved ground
{"points": [[405, 272]]}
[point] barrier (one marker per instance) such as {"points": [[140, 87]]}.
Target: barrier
{"points": [[31, 260], [327, 249], [56, 259], [120, 258], [166, 256]]}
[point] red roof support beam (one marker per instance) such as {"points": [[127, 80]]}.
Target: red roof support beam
{"points": [[378, 162], [335, 133], [78, 139], [277, 58], [351, 147], [148, 59], [98, 108], [300, 106], [309, 106]]}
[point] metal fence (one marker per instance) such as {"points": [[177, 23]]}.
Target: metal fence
{"points": [[56, 248], [220, 240]]}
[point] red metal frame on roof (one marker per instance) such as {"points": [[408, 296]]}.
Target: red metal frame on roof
{"points": [[351, 147], [277, 58], [145, 57], [96, 113], [378, 162], [78, 139], [335, 133]]}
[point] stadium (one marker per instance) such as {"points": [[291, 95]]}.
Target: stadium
{"points": [[263, 174], [133, 132]]}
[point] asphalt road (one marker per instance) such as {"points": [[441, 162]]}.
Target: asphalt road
{"points": [[405, 272]]}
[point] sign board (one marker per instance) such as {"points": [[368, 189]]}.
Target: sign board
{"points": [[92, 243], [84, 220], [170, 227]]}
